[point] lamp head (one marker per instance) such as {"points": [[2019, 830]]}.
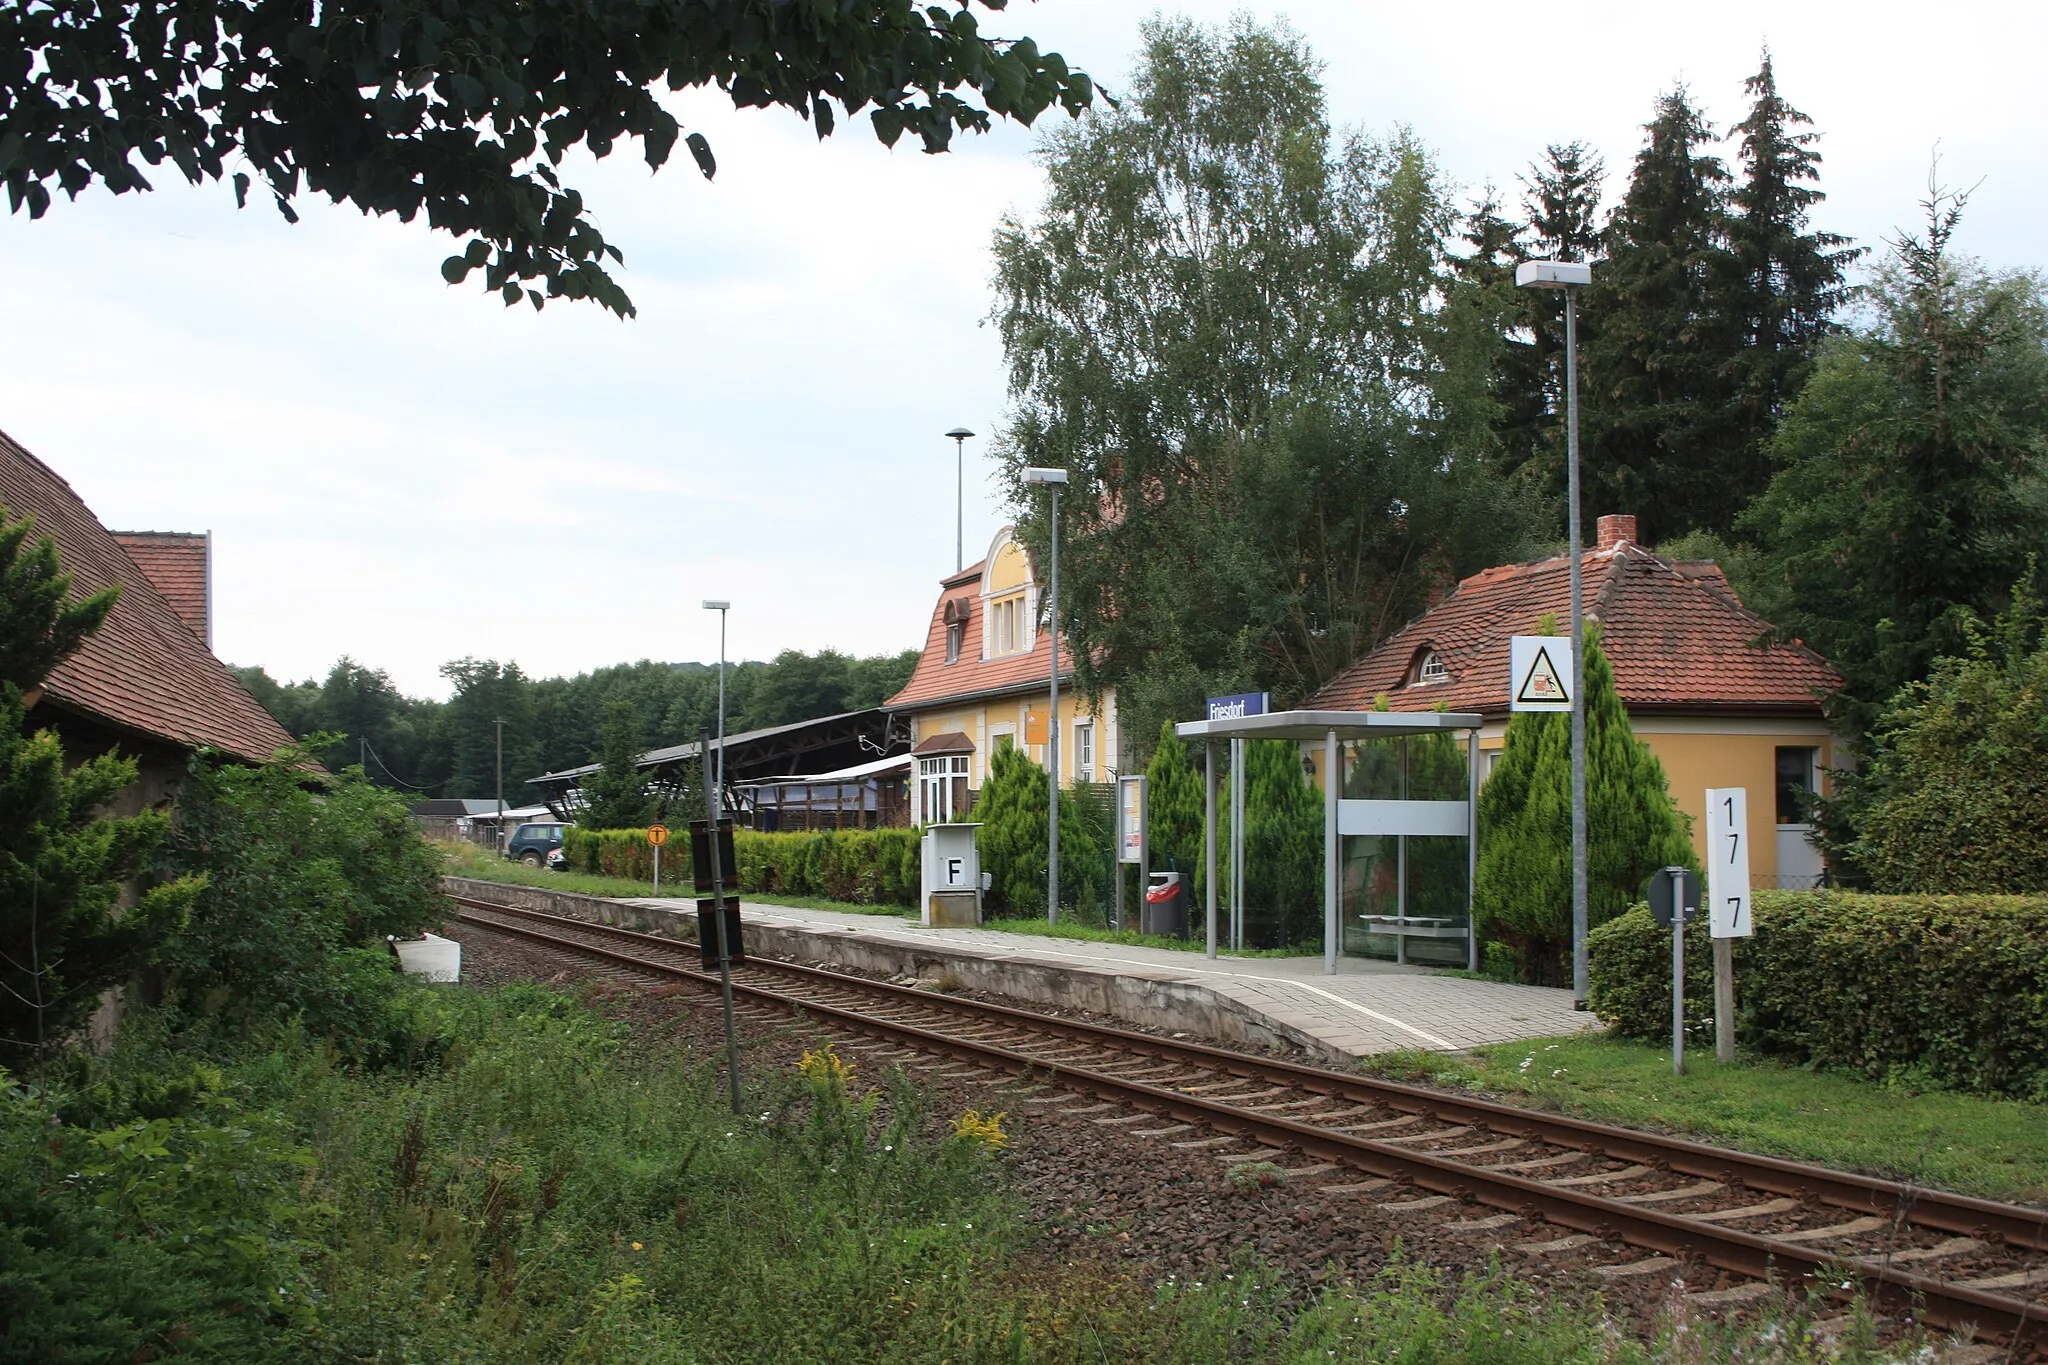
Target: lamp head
{"points": [[710, 605], [960, 433], [1553, 274], [1037, 474]]}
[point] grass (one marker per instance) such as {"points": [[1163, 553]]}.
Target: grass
{"points": [[521, 1182], [1995, 1148], [467, 860]]}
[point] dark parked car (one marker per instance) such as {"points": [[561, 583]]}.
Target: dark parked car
{"points": [[533, 841]]}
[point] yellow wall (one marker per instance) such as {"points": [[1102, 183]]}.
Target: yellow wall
{"points": [[1699, 754], [982, 724], [1012, 569]]}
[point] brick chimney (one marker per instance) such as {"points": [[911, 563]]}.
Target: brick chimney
{"points": [[1615, 531]]}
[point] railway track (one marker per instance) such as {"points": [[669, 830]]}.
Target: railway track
{"points": [[1958, 1262]]}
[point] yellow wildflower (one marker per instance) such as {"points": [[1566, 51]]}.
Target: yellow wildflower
{"points": [[983, 1130]]}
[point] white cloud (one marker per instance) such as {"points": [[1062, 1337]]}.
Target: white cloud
{"points": [[409, 473]]}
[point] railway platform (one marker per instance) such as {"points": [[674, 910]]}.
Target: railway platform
{"points": [[1368, 1007]]}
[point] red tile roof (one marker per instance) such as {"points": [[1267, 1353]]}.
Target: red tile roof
{"points": [[934, 681], [1679, 639], [143, 670], [177, 563]]}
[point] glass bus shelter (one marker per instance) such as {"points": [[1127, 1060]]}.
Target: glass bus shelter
{"points": [[1400, 824]]}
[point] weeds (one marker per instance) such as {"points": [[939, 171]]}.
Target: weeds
{"points": [[526, 1189]]}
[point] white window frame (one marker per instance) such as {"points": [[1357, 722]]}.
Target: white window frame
{"points": [[1084, 751], [936, 774]]}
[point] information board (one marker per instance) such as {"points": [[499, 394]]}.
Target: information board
{"points": [[1728, 862], [1130, 819]]}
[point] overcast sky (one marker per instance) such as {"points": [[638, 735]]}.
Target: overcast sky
{"points": [[408, 473]]}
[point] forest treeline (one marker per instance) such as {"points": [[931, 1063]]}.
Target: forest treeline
{"points": [[448, 748]]}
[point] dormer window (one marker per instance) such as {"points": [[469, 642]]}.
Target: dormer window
{"points": [[1427, 668], [957, 611]]}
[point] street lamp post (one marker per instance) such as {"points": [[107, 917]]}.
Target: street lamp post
{"points": [[961, 436], [1055, 479], [1570, 277], [721, 608]]}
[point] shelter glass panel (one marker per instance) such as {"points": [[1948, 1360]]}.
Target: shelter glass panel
{"points": [[1413, 884]]}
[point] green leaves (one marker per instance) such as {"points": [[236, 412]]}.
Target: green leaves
{"points": [[1523, 893], [1947, 990], [700, 149], [385, 105], [1226, 323]]}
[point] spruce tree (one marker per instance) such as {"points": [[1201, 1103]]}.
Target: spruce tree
{"points": [[1792, 279], [1486, 295], [1561, 210], [1910, 490], [1523, 896], [1660, 371], [65, 935], [615, 796]]}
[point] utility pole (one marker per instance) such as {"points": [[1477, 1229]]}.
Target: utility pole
{"points": [[1055, 479], [961, 436], [1570, 277], [500, 724]]}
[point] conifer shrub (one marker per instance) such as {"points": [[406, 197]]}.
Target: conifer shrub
{"points": [[1012, 840], [1948, 990], [1523, 895], [65, 936], [1176, 802]]}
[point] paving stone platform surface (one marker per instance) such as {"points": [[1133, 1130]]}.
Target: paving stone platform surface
{"points": [[1369, 1006]]}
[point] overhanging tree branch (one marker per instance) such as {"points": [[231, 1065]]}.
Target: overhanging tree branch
{"points": [[464, 109]]}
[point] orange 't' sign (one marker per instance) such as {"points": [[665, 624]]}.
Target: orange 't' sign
{"points": [[657, 835], [1034, 727]]}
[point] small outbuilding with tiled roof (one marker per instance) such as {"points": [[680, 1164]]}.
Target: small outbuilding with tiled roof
{"points": [[1706, 686], [145, 682]]}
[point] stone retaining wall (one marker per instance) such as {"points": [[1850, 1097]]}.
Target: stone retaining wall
{"points": [[1160, 1002]]}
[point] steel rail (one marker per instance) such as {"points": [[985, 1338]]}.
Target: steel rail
{"points": [[1949, 1305], [1940, 1210]]}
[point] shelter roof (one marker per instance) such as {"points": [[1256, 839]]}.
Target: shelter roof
{"points": [[1304, 725], [951, 742], [1678, 637], [144, 670], [773, 751], [895, 763]]}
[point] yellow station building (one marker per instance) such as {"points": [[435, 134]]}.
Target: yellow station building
{"points": [[984, 683]]}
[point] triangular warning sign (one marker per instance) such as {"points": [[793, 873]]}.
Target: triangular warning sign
{"points": [[1541, 683]]}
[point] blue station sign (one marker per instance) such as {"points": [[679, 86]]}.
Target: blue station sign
{"points": [[1237, 706]]}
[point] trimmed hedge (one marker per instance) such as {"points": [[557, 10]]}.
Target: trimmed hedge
{"points": [[862, 866], [1951, 990]]}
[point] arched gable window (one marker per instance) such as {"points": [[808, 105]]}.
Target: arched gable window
{"points": [[1427, 667], [1009, 599]]}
